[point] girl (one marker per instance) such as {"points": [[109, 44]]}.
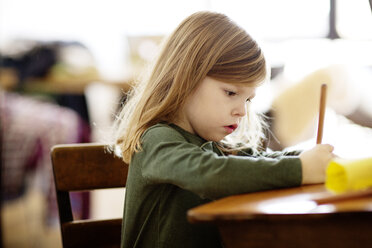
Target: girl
{"points": [[175, 133]]}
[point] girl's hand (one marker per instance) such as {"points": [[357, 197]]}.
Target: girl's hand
{"points": [[314, 163]]}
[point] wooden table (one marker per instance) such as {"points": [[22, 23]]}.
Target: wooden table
{"points": [[289, 218]]}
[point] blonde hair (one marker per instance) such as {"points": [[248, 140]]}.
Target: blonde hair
{"points": [[204, 44]]}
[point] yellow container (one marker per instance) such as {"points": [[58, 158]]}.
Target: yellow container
{"points": [[346, 175]]}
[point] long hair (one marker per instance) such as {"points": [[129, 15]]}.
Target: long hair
{"points": [[204, 44]]}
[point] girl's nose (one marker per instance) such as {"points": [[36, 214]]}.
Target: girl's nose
{"points": [[240, 110]]}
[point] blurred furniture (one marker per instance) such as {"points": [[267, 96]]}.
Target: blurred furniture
{"points": [[84, 167], [30, 128], [289, 218], [143, 49], [51, 85]]}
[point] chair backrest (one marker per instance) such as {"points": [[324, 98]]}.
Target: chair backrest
{"points": [[84, 167]]}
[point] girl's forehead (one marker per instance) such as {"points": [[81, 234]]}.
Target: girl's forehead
{"points": [[241, 88], [249, 84], [239, 85]]}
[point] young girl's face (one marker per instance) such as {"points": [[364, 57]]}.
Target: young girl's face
{"points": [[215, 108]]}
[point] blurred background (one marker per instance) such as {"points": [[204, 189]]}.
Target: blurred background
{"points": [[66, 65]]}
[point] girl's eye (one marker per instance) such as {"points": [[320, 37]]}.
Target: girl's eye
{"points": [[230, 93]]}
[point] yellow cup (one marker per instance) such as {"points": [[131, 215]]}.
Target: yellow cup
{"points": [[346, 175]]}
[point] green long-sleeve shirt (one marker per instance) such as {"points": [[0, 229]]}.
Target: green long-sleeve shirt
{"points": [[176, 171]]}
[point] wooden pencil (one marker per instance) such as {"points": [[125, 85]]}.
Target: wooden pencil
{"points": [[322, 105], [331, 198]]}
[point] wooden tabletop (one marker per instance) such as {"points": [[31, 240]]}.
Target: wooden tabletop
{"points": [[290, 218], [291, 201]]}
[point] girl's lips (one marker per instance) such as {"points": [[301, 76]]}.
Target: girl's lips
{"points": [[234, 126], [231, 128]]}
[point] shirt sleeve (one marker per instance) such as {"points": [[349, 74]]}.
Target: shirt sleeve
{"points": [[168, 158]]}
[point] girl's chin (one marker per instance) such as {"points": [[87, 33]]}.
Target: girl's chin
{"points": [[217, 138]]}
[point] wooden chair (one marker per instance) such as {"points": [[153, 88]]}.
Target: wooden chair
{"points": [[84, 167]]}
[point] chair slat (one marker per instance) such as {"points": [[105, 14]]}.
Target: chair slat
{"points": [[80, 167]]}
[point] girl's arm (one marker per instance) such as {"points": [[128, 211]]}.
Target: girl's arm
{"points": [[168, 158]]}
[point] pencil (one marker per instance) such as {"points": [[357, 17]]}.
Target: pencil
{"points": [[322, 105], [331, 198]]}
